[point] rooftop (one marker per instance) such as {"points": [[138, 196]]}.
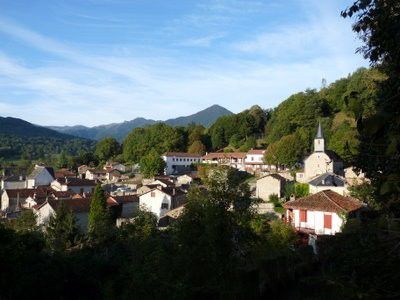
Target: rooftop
{"points": [[327, 201]]}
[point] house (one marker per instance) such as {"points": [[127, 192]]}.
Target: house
{"points": [[115, 166], [254, 161], [12, 200], [328, 181], [184, 180], [354, 177], [96, 174], [323, 213], [42, 194], [320, 161], [113, 175], [76, 185], [79, 206], [40, 175], [269, 185], [234, 159], [129, 204], [82, 171], [64, 173], [179, 162], [171, 216], [161, 200], [13, 182]]}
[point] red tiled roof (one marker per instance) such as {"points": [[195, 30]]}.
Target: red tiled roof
{"points": [[224, 155], [181, 154], [22, 193], [328, 201], [256, 151]]}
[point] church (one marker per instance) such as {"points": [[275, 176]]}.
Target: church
{"points": [[321, 161]]}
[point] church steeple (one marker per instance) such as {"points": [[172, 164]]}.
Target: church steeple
{"points": [[319, 141]]}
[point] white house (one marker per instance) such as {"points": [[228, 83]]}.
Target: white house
{"points": [[76, 185], [254, 161], [161, 200], [320, 161], [115, 166], [40, 175], [234, 159], [96, 174], [12, 200], [328, 181], [129, 203], [323, 213], [269, 185], [13, 182], [179, 162], [184, 179], [79, 206]]}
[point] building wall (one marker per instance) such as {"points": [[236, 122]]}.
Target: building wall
{"points": [[177, 162], [4, 201], [79, 189], [153, 204], [44, 214], [316, 164], [252, 158], [128, 209], [267, 186], [341, 190], [43, 178], [13, 185], [315, 221], [184, 179]]}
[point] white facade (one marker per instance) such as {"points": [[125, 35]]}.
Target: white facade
{"points": [[341, 190], [176, 162], [42, 177], [156, 201], [77, 189], [317, 221], [184, 179], [13, 185]]}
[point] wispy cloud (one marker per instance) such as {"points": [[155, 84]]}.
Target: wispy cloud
{"points": [[86, 85]]}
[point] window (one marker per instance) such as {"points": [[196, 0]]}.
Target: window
{"points": [[252, 158], [153, 194], [303, 216], [81, 191], [327, 221], [164, 205], [173, 159]]}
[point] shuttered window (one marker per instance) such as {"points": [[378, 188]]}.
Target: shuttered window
{"points": [[328, 221], [303, 216]]}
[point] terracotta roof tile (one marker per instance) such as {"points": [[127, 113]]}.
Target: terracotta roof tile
{"points": [[328, 201]]}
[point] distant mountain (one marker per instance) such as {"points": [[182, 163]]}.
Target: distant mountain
{"points": [[20, 128], [205, 117], [21, 139]]}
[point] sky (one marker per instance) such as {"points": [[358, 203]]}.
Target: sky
{"points": [[95, 62]]}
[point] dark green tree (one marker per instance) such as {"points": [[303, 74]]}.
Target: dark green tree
{"points": [[62, 231], [107, 148], [152, 164], [99, 227]]}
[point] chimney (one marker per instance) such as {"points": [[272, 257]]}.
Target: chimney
{"points": [[173, 192], [21, 177], [66, 180], [159, 187], [34, 195], [292, 197]]}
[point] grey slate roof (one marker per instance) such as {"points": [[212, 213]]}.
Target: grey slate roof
{"points": [[320, 134], [38, 169], [327, 179]]}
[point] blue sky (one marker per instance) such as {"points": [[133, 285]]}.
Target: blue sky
{"points": [[95, 62]]}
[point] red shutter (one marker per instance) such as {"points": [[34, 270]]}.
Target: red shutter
{"points": [[303, 216], [328, 221]]}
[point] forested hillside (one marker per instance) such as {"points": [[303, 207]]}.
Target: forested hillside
{"points": [[22, 140], [287, 131]]}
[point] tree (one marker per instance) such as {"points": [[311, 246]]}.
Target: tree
{"points": [[62, 161], [152, 164], [107, 148], [197, 148], [99, 217], [377, 24], [62, 231], [25, 222]]}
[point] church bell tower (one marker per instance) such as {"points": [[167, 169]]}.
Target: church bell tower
{"points": [[319, 141]]}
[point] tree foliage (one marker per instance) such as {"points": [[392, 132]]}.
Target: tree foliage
{"points": [[151, 164], [99, 217], [62, 229]]}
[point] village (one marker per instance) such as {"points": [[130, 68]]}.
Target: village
{"points": [[322, 210]]}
